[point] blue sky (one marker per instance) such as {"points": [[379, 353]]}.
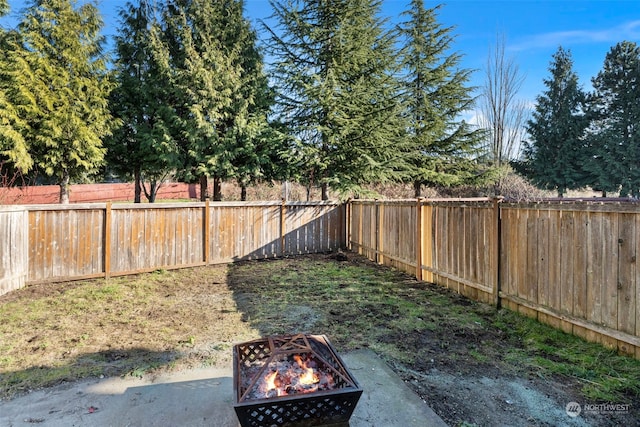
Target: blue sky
{"points": [[533, 31]]}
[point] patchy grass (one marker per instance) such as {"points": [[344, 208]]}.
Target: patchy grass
{"points": [[361, 306], [184, 318], [121, 326], [603, 374]]}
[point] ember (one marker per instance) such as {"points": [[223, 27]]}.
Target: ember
{"points": [[292, 375], [292, 380]]}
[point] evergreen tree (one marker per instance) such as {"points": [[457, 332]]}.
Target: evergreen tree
{"points": [[554, 156], [143, 146], [245, 127], [200, 80], [14, 150], [214, 70], [337, 93], [61, 88], [614, 134], [437, 92]]}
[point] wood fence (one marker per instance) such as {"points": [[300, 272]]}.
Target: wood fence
{"points": [[62, 242], [570, 265]]}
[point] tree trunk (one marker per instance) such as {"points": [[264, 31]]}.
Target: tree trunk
{"points": [[137, 192], [243, 192], [325, 191], [308, 188], [204, 188], [416, 189], [64, 188], [153, 191], [217, 189]]}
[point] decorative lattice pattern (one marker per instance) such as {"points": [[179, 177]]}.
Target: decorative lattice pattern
{"points": [[310, 411]]}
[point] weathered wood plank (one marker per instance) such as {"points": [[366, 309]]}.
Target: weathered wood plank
{"points": [[566, 275], [609, 288], [580, 262], [529, 287], [14, 249], [627, 277], [594, 275], [524, 254], [543, 257], [506, 252]]}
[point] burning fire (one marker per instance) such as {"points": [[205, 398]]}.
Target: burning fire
{"points": [[308, 376], [298, 376]]}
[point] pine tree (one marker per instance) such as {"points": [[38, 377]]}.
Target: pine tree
{"points": [[437, 92], [554, 156], [337, 93], [142, 146], [62, 88], [614, 134]]}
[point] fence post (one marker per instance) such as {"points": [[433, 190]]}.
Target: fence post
{"points": [[376, 229], [347, 221], [496, 253], [206, 237], [282, 225], [419, 239], [107, 240], [360, 230], [380, 215]]}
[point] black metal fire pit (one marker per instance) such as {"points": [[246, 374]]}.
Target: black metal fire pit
{"points": [[292, 380]]}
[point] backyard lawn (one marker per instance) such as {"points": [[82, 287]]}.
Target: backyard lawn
{"points": [[472, 364]]}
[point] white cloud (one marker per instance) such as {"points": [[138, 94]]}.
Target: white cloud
{"points": [[626, 31]]}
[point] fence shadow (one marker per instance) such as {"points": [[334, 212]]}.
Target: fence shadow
{"points": [[110, 363]]}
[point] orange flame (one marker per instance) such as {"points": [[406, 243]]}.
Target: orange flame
{"points": [[308, 376], [270, 380]]}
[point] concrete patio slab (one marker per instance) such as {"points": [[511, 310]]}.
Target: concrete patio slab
{"points": [[203, 397]]}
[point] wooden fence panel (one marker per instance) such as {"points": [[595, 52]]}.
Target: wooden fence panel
{"points": [[148, 237], [65, 243], [397, 235], [462, 247], [610, 283], [457, 240], [627, 277], [242, 231], [573, 266], [581, 229], [261, 230], [312, 229], [14, 247], [364, 229], [595, 270], [582, 261]]}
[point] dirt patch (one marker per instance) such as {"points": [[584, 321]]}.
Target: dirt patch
{"points": [[472, 364]]}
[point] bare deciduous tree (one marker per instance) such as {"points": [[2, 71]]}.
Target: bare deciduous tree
{"points": [[502, 115]]}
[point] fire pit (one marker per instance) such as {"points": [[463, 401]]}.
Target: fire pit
{"points": [[292, 380]]}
